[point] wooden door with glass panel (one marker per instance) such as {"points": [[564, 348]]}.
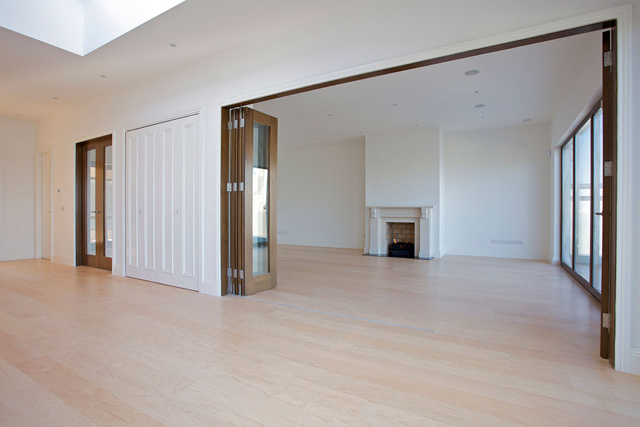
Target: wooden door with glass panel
{"points": [[249, 153], [260, 149], [97, 203]]}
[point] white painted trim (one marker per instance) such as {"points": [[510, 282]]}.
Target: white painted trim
{"points": [[12, 256], [209, 287], [633, 362], [623, 14], [63, 259], [623, 356], [527, 256], [320, 244], [37, 253]]}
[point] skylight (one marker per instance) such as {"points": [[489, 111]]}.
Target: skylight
{"points": [[79, 26]]}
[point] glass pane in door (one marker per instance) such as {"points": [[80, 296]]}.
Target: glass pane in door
{"points": [[260, 199], [583, 202], [108, 202], [91, 202], [567, 204], [598, 191]]}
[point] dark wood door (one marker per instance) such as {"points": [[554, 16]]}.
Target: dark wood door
{"points": [[609, 154], [260, 222], [97, 207]]}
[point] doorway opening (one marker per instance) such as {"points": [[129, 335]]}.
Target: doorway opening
{"points": [[94, 193], [284, 109]]}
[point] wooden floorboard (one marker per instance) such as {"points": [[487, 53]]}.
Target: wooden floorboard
{"points": [[464, 341]]}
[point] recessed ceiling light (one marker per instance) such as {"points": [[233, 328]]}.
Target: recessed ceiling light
{"points": [[479, 106], [415, 125], [395, 105], [103, 76], [18, 114], [482, 117], [526, 120], [173, 44], [55, 97], [329, 115], [477, 91], [472, 73]]}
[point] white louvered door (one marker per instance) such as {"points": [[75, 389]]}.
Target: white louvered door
{"points": [[162, 213]]}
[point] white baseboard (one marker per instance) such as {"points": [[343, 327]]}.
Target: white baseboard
{"points": [[209, 287], [12, 256], [118, 270], [533, 256], [340, 245], [63, 259], [633, 362]]}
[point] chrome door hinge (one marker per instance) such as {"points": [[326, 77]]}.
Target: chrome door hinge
{"points": [[608, 59], [608, 168], [228, 272], [241, 274], [241, 123], [235, 186], [229, 186], [241, 186], [230, 125], [606, 320], [235, 273]]}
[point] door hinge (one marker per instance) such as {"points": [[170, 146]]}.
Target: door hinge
{"points": [[608, 168], [608, 59], [241, 274], [235, 273], [606, 320], [230, 125], [229, 186], [241, 186], [235, 186], [241, 123], [228, 272]]}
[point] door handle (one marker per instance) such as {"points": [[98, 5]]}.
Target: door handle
{"points": [[95, 212], [599, 213]]}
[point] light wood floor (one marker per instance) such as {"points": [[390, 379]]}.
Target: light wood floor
{"points": [[513, 343]]}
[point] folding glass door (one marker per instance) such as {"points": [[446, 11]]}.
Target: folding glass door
{"points": [[582, 203], [249, 170]]}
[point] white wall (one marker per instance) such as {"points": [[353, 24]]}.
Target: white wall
{"points": [[321, 195], [17, 189], [321, 50], [497, 186], [403, 170]]}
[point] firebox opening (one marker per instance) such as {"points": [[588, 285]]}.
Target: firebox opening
{"points": [[401, 239]]}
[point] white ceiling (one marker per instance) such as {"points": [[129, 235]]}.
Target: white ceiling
{"points": [[517, 84], [80, 26], [33, 72]]}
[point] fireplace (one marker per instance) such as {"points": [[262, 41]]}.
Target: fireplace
{"points": [[414, 223], [401, 239]]}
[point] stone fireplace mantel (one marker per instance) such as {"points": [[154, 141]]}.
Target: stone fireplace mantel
{"points": [[376, 228]]}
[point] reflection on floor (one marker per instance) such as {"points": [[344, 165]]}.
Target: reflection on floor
{"points": [[513, 343]]}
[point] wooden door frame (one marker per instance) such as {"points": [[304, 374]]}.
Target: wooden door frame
{"points": [[80, 199], [618, 17]]}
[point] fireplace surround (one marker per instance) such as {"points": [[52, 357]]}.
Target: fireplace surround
{"points": [[376, 229]]}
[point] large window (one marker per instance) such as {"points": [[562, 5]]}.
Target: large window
{"points": [[582, 177]]}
